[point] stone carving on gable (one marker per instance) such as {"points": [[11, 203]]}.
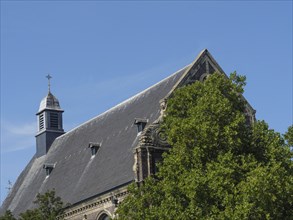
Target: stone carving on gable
{"points": [[202, 67], [163, 107], [195, 72], [152, 144], [153, 135]]}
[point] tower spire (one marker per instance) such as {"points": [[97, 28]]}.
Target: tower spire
{"points": [[49, 77], [50, 124]]}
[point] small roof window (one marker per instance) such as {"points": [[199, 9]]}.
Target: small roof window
{"points": [[140, 123], [48, 168], [94, 148]]}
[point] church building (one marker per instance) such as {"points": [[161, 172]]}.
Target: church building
{"points": [[91, 165]]}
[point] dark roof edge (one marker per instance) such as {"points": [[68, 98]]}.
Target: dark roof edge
{"points": [[99, 194]]}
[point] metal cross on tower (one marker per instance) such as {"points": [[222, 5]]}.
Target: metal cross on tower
{"points": [[49, 78]]}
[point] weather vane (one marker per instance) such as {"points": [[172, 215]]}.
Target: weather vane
{"points": [[49, 78]]}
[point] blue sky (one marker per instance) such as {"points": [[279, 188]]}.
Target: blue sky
{"points": [[101, 53]]}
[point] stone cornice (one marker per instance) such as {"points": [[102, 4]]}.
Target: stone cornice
{"points": [[95, 203]]}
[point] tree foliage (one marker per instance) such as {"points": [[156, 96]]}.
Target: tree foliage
{"points": [[220, 166], [49, 206], [7, 216]]}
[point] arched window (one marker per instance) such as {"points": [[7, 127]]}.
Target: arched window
{"points": [[104, 217], [204, 76]]}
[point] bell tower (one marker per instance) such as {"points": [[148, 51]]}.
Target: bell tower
{"points": [[50, 124]]}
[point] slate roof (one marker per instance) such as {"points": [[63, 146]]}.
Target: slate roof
{"points": [[76, 176]]}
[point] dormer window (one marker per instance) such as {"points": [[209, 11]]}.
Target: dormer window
{"points": [[140, 123], [48, 168], [94, 148]]}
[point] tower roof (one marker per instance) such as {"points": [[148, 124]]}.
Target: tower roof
{"points": [[49, 102]]}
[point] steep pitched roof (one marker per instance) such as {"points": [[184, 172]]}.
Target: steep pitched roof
{"points": [[76, 176]]}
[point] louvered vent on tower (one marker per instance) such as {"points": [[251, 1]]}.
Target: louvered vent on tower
{"points": [[54, 120], [41, 121]]}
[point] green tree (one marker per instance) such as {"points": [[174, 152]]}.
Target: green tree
{"points": [[49, 207], [220, 166], [34, 214], [7, 216]]}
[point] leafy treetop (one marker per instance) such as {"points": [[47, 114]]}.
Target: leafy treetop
{"points": [[49, 207], [220, 166]]}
